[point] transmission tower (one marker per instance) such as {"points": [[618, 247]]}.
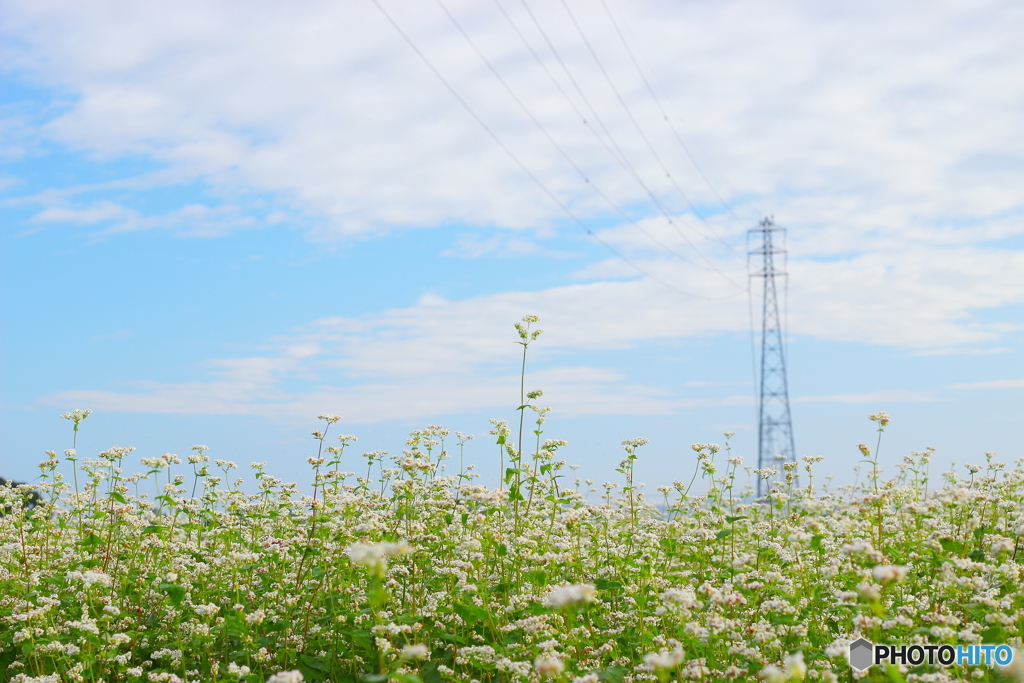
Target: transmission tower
{"points": [[775, 429]]}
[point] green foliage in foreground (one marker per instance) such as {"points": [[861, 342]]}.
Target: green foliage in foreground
{"points": [[418, 576]]}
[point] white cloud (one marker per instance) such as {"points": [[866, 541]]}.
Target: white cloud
{"points": [[441, 356], [992, 384], [885, 136], [876, 397], [863, 124]]}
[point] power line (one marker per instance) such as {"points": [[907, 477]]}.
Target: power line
{"points": [[675, 132], [618, 154], [623, 159], [636, 124], [554, 143], [518, 162]]}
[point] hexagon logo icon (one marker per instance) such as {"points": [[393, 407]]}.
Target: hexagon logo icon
{"points": [[862, 654]]}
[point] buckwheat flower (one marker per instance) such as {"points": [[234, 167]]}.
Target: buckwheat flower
{"points": [[887, 573], [881, 418], [838, 648], [240, 671], [665, 659], [1015, 669], [374, 556], [680, 596], [794, 666], [294, 676], [570, 595], [548, 666], [207, 610], [256, 617], [76, 416], [772, 674], [589, 678], [134, 672], [1002, 545], [91, 578], [868, 591], [328, 418], [412, 652]]}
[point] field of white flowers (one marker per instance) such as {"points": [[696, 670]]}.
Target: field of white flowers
{"points": [[412, 571]]}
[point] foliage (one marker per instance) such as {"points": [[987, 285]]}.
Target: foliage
{"points": [[422, 576]]}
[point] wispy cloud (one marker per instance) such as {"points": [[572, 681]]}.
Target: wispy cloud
{"points": [[865, 126], [992, 384], [876, 397], [108, 218]]}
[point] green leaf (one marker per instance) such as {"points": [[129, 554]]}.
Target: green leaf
{"points": [[613, 674], [118, 497], [816, 541], [313, 668], [502, 549], [363, 640], [152, 529], [431, 673], [407, 678], [471, 614], [375, 678], [730, 519], [90, 541], [175, 593], [952, 546], [894, 673], [723, 533], [994, 635], [607, 585]]}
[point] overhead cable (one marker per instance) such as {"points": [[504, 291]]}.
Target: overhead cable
{"points": [[618, 154], [665, 116], [465, 105]]}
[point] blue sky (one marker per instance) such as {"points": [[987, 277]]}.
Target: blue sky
{"points": [[221, 219]]}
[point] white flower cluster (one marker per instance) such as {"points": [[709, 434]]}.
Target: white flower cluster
{"points": [[887, 573], [91, 578], [413, 652], [665, 659], [207, 610], [374, 556], [286, 677], [570, 595], [793, 669], [548, 666]]}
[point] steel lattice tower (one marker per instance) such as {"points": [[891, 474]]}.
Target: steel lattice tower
{"points": [[775, 432]]}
